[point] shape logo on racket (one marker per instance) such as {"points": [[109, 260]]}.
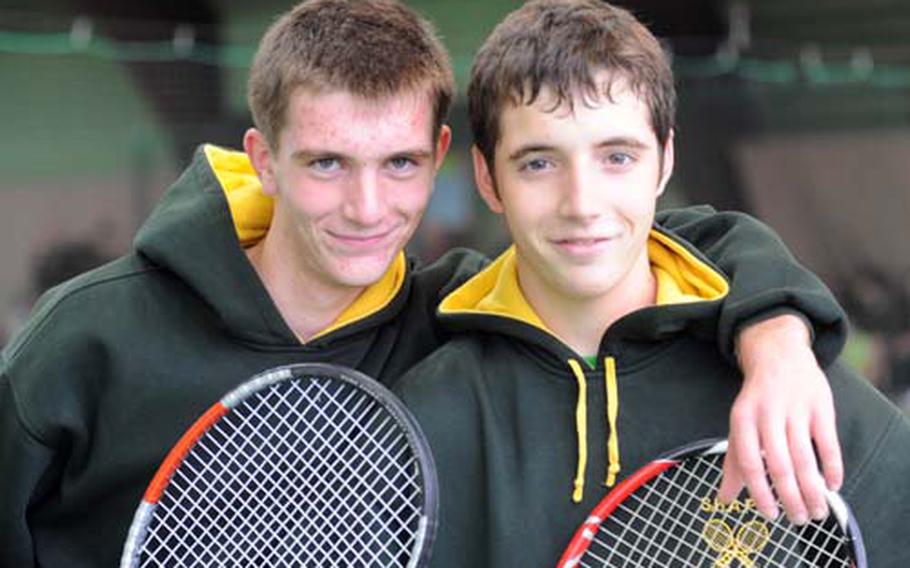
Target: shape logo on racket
{"points": [[748, 540], [709, 505], [734, 538]]}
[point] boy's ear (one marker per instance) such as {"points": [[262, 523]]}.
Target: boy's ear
{"points": [[443, 142], [483, 179], [669, 157], [260, 155]]}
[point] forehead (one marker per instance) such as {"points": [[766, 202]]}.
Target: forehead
{"points": [[619, 113], [340, 118]]}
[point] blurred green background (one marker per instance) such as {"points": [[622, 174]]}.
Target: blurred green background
{"points": [[797, 112]]}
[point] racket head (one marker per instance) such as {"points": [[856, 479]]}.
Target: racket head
{"points": [[310, 464], [666, 514]]}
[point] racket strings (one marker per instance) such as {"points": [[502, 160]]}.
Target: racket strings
{"points": [[664, 523], [637, 514], [681, 521], [237, 544], [231, 478], [359, 486], [222, 489], [263, 510], [737, 547], [274, 486], [391, 438], [402, 478]]}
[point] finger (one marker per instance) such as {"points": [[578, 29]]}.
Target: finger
{"points": [[748, 458], [824, 433], [780, 468], [805, 466], [731, 483]]}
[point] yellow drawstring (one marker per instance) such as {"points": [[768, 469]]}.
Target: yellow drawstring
{"points": [[581, 428], [612, 411]]}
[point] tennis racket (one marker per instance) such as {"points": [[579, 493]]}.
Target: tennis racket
{"points": [[304, 465], [665, 514]]}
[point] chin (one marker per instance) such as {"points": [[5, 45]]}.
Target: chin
{"points": [[587, 285], [588, 294], [363, 272]]}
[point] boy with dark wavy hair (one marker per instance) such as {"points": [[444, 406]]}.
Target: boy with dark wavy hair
{"points": [[588, 347]]}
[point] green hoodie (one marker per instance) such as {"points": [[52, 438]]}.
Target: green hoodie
{"points": [[114, 365], [528, 437]]}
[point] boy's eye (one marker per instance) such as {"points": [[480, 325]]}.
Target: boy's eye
{"points": [[325, 165], [401, 163], [619, 159], [535, 165]]}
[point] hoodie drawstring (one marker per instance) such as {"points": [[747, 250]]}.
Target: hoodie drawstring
{"points": [[612, 412], [581, 430], [581, 426]]}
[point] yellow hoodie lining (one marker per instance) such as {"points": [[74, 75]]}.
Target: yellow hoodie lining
{"points": [[373, 299], [251, 211], [680, 276], [250, 208]]}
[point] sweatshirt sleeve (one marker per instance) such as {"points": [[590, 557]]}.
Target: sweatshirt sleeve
{"points": [[23, 462], [875, 438], [765, 279]]}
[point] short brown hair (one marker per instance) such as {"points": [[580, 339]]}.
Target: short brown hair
{"points": [[369, 48], [561, 45]]}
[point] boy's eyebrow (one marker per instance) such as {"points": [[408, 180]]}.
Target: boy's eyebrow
{"points": [[306, 154], [522, 151], [415, 152], [627, 141], [620, 141]]}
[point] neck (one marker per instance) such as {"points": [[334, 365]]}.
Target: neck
{"points": [[307, 304], [581, 322]]}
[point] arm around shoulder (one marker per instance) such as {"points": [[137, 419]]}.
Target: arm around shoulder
{"points": [[765, 278]]}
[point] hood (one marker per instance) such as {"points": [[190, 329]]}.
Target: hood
{"points": [[199, 232], [689, 289]]}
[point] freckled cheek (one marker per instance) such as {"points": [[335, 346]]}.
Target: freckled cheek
{"points": [[412, 197], [315, 204]]}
